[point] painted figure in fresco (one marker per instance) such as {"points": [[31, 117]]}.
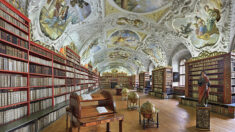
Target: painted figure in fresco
{"points": [[185, 29], [203, 89], [206, 28], [214, 16], [56, 14]]}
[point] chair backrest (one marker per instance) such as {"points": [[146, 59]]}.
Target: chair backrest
{"points": [[109, 102], [75, 105]]}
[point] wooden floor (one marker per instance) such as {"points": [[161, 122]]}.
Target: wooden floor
{"points": [[172, 117]]}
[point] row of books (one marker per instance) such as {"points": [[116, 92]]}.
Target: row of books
{"points": [[61, 90], [11, 80], [215, 90], [42, 122], [6, 9], [13, 39], [195, 95], [216, 82], [31, 127], [13, 65], [233, 89], [7, 97], [77, 87], [40, 93], [12, 114], [233, 99], [213, 98], [81, 72], [59, 99], [46, 120], [69, 68], [81, 76], [40, 105], [40, 51], [37, 60], [8, 50], [157, 90], [58, 81], [39, 81], [59, 59], [58, 72], [69, 81], [40, 69], [69, 74], [10, 27], [56, 65]]}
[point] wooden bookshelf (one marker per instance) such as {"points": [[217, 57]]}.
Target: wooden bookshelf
{"points": [[119, 78], [132, 81], [162, 79], [33, 75], [143, 78], [220, 70]]}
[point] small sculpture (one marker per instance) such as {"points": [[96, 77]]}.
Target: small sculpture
{"points": [[203, 89]]}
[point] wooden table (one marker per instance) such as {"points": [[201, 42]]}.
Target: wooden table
{"points": [[87, 115], [93, 121]]}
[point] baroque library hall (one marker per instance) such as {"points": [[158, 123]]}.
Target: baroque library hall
{"points": [[117, 65]]}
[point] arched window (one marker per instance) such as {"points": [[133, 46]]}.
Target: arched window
{"points": [[182, 72]]}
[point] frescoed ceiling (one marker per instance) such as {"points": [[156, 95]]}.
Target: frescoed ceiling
{"points": [[129, 35]]}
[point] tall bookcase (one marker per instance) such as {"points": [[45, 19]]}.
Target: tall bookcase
{"points": [[120, 78], [221, 71], [132, 81], [33, 78], [14, 63], [220, 68], [143, 78], [162, 79]]}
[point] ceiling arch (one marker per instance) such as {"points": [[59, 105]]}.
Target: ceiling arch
{"points": [[160, 29]]}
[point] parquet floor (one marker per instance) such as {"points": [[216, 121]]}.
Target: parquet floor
{"points": [[172, 117]]}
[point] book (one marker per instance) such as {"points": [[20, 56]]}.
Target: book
{"points": [[37, 93], [86, 97], [40, 51], [40, 69], [101, 110], [39, 60], [40, 81]]}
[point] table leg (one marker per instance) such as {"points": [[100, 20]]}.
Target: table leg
{"points": [[157, 121], [120, 125], [139, 118], [67, 120], [107, 127], [143, 123]]}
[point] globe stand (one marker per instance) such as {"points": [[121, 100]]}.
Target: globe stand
{"points": [[133, 105], [148, 120]]}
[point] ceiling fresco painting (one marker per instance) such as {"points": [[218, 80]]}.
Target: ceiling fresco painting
{"points": [[201, 27], [156, 53], [21, 5], [124, 38], [141, 6], [118, 55], [130, 34], [127, 21], [57, 14]]}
